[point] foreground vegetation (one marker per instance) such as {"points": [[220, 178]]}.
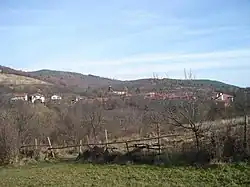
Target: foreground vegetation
{"points": [[127, 175], [103, 116]]}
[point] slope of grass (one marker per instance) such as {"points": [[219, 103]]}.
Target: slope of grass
{"points": [[18, 80], [114, 175]]}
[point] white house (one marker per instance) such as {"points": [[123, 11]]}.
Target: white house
{"points": [[30, 98], [37, 97], [23, 97], [224, 97], [120, 92], [110, 89], [56, 97]]}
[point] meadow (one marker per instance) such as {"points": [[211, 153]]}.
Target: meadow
{"points": [[67, 174]]}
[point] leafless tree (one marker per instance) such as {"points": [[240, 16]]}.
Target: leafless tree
{"points": [[93, 119], [132, 121], [242, 105], [8, 134], [191, 114], [22, 114]]}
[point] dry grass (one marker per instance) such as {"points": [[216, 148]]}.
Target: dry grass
{"points": [[17, 79]]}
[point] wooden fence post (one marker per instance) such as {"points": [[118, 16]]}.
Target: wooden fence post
{"points": [[80, 147], [36, 146], [158, 137], [127, 146], [106, 138], [50, 146], [87, 141]]}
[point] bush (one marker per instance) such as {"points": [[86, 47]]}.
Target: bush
{"points": [[8, 146]]}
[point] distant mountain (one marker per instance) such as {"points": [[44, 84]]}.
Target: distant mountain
{"points": [[7, 70], [16, 77], [71, 79], [12, 80], [77, 82], [168, 84], [80, 81]]}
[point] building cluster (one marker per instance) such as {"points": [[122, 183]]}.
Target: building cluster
{"points": [[168, 96], [224, 98], [33, 98], [174, 95], [119, 93]]}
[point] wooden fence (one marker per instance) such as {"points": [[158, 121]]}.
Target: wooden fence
{"points": [[155, 146], [107, 143]]}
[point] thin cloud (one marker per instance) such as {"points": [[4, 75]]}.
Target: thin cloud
{"points": [[24, 27], [207, 31], [141, 66], [154, 58], [140, 17], [29, 10], [198, 65]]}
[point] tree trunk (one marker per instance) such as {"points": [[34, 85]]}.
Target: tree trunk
{"points": [[245, 134], [94, 133], [197, 141], [18, 145]]}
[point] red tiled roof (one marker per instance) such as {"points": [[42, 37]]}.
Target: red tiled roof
{"points": [[19, 94]]}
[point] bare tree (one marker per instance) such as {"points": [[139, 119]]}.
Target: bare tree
{"points": [[8, 141], [132, 121], [93, 119], [22, 114], [152, 118], [242, 106], [192, 116], [192, 113], [71, 126]]}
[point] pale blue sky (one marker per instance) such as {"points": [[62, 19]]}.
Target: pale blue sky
{"points": [[129, 39]]}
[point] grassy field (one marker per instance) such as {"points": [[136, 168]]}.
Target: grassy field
{"points": [[17, 79], [114, 175]]}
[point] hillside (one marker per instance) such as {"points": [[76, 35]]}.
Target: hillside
{"points": [[73, 80], [78, 83], [161, 83], [13, 79]]}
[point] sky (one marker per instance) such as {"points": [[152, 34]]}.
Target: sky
{"points": [[129, 39]]}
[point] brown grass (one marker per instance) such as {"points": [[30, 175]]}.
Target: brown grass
{"points": [[17, 79]]}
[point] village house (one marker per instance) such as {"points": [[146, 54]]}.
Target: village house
{"points": [[19, 96], [225, 98], [29, 98], [78, 98], [121, 93], [168, 96], [180, 96], [55, 97], [92, 100], [153, 95], [36, 98]]}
